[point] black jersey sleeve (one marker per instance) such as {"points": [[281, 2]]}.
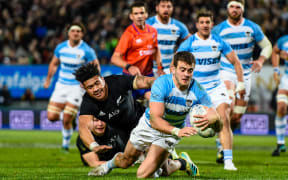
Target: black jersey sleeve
{"points": [[124, 82]]}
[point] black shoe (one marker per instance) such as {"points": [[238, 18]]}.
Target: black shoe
{"points": [[280, 148], [276, 152], [65, 150], [220, 157]]}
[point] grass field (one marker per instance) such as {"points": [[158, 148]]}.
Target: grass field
{"points": [[36, 155]]}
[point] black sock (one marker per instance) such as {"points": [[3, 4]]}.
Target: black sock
{"points": [[183, 164]]}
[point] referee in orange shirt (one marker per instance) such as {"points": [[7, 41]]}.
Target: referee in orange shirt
{"points": [[138, 47]]}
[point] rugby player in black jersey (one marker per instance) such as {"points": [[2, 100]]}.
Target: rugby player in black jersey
{"points": [[109, 99], [108, 140]]}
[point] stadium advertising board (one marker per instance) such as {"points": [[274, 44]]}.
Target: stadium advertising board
{"points": [[21, 119], [45, 124], [19, 78], [255, 124]]}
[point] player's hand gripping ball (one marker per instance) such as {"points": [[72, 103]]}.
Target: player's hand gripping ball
{"points": [[199, 109]]}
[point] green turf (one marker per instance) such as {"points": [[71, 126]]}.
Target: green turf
{"points": [[36, 155]]}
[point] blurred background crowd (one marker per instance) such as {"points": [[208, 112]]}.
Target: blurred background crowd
{"points": [[31, 29]]}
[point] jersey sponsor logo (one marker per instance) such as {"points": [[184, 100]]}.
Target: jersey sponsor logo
{"points": [[113, 113], [208, 61], [223, 94], [138, 41], [119, 100], [101, 113], [146, 52]]}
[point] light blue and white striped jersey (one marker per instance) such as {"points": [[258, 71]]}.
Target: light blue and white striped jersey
{"points": [[168, 34], [282, 44], [207, 54], [71, 58], [177, 103], [242, 39]]}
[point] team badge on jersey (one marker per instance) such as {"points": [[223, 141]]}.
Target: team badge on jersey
{"points": [[248, 33], [189, 102], [214, 48], [78, 56], [173, 31]]}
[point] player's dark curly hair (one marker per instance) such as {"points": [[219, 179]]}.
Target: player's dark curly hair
{"points": [[183, 56], [86, 72]]}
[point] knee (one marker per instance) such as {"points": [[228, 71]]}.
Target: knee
{"points": [[53, 113], [236, 118], [52, 116], [282, 109], [141, 173]]}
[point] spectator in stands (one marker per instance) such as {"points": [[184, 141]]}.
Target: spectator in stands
{"points": [[28, 96], [5, 97]]}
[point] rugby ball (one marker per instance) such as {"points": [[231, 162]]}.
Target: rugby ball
{"points": [[199, 109]]}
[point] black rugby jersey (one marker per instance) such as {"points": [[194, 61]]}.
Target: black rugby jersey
{"points": [[119, 110]]}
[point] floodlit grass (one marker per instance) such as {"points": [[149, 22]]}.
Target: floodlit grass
{"points": [[36, 155]]}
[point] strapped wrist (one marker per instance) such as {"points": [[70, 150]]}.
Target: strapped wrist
{"points": [[175, 131], [160, 67], [240, 86], [277, 70], [93, 145]]}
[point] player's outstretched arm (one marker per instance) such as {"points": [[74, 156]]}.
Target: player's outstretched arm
{"points": [[233, 58], [86, 136], [266, 50], [158, 123], [51, 71], [275, 63], [143, 82], [96, 62]]}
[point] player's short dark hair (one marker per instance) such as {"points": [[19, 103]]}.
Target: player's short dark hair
{"points": [[138, 4], [158, 1], [204, 13], [86, 72], [185, 56], [77, 24]]}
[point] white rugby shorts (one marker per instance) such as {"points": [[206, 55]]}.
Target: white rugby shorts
{"points": [[67, 93], [142, 136], [229, 76], [219, 95], [284, 83]]}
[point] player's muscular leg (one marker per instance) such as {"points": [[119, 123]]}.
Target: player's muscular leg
{"points": [[239, 110], [231, 92], [70, 112], [126, 159], [226, 136], [282, 96], [53, 111], [155, 158]]}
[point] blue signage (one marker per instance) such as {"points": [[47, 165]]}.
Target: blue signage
{"points": [[18, 78]]}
